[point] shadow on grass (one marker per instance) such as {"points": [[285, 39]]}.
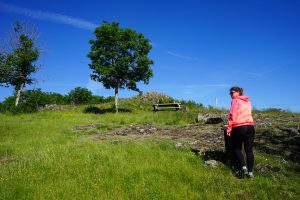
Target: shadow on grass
{"points": [[96, 110], [216, 155], [224, 157]]}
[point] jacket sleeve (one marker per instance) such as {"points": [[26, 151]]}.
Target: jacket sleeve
{"points": [[232, 114]]}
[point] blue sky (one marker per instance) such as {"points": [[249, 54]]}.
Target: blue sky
{"points": [[200, 48]]}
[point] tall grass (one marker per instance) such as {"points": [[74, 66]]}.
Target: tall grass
{"points": [[41, 157]]}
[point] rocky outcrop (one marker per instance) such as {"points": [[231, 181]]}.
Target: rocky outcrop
{"points": [[85, 127], [202, 137], [56, 107], [211, 118], [137, 130], [275, 134], [155, 97], [267, 168]]}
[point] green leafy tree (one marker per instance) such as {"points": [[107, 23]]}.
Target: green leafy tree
{"points": [[4, 71], [80, 96], [17, 63], [119, 58], [56, 98]]}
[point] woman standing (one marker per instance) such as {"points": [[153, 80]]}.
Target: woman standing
{"points": [[241, 130]]}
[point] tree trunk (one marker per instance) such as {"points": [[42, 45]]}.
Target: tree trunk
{"points": [[19, 94], [116, 99]]}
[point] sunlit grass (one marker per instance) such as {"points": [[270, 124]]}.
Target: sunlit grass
{"points": [[43, 158]]}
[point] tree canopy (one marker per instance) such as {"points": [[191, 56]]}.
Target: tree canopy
{"points": [[80, 95], [18, 64], [119, 58]]}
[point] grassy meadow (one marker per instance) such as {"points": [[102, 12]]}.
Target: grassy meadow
{"points": [[42, 157]]}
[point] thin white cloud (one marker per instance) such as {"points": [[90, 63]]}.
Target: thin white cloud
{"points": [[181, 56], [48, 16]]}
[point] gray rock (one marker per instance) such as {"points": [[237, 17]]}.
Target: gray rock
{"points": [[153, 129], [179, 145], [211, 163], [141, 131], [201, 118], [268, 168]]}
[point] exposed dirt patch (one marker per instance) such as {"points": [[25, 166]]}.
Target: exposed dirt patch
{"points": [[203, 137], [85, 127], [5, 158]]}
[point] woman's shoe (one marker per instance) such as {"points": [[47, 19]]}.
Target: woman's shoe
{"points": [[245, 170], [250, 175]]}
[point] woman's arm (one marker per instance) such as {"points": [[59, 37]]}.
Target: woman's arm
{"points": [[232, 115]]}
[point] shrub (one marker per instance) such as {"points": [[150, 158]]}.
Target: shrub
{"points": [[56, 98], [27, 103], [100, 99], [109, 99], [274, 110], [192, 104], [166, 100], [30, 101], [97, 99], [80, 95]]}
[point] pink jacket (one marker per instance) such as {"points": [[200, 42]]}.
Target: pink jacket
{"points": [[240, 113]]}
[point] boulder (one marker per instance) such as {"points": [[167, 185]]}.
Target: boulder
{"points": [[201, 118], [210, 119], [214, 120], [141, 131]]}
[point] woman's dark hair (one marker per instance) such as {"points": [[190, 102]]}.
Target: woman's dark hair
{"points": [[237, 89]]}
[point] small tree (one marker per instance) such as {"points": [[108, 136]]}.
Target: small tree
{"points": [[17, 60], [119, 58]]}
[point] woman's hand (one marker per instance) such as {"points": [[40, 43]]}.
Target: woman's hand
{"points": [[228, 134]]}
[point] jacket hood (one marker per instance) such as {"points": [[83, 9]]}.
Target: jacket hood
{"points": [[243, 98]]}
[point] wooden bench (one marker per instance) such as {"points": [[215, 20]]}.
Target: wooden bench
{"points": [[166, 106]]}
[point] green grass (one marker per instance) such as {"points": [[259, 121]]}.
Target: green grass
{"points": [[41, 157]]}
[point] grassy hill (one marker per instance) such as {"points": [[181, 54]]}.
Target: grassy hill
{"points": [[89, 152]]}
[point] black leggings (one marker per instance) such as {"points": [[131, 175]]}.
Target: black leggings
{"points": [[239, 135]]}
